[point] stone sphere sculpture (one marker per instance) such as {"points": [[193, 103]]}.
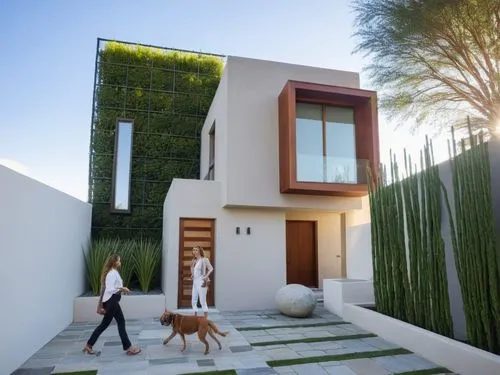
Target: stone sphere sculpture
{"points": [[296, 300]]}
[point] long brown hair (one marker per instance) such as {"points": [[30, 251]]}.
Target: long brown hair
{"points": [[200, 250], [110, 263]]}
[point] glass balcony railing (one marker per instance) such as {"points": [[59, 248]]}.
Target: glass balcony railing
{"points": [[334, 170]]}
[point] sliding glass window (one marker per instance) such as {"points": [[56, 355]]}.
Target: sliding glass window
{"points": [[325, 144]]}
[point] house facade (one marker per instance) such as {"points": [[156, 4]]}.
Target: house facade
{"points": [[282, 196]]}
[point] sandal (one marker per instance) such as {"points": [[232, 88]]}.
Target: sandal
{"points": [[133, 350], [88, 350]]}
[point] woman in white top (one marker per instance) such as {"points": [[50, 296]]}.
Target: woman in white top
{"points": [[200, 273], [109, 306]]}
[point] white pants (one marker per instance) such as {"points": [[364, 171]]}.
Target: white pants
{"points": [[198, 291]]}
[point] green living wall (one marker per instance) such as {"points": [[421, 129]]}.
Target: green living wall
{"points": [[167, 93]]}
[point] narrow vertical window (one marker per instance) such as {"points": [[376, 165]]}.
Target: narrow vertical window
{"points": [[211, 154], [120, 201]]}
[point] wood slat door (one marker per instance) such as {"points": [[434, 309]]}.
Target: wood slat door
{"points": [[194, 232], [301, 253]]}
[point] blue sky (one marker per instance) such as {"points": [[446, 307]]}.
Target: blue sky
{"points": [[48, 53]]}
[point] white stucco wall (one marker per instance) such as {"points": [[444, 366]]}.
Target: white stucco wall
{"points": [[329, 242], [218, 114], [246, 107], [358, 242], [249, 269], [42, 231]]}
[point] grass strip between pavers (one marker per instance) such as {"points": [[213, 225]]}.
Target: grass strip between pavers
{"points": [[292, 326], [315, 339], [427, 371], [336, 357], [221, 372], [88, 372]]}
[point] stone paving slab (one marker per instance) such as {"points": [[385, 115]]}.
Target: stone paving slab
{"points": [[301, 333], [64, 352]]}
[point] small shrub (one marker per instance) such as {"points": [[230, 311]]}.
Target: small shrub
{"points": [[147, 257], [97, 254], [95, 257], [126, 251]]}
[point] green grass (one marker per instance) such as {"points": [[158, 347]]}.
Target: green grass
{"points": [[337, 357], [427, 371], [222, 372], [89, 372], [315, 339], [292, 326]]}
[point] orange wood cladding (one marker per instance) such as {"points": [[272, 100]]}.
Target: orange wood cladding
{"points": [[194, 232], [364, 103]]}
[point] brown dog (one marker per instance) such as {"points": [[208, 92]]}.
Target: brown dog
{"points": [[189, 324]]}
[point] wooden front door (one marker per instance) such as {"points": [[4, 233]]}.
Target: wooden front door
{"points": [[195, 232], [301, 253]]}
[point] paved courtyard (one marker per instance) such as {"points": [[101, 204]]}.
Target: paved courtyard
{"points": [[259, 342]]}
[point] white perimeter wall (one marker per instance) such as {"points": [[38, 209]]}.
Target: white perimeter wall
{"points": [[358, 242], [42, 231], [249, 269]]}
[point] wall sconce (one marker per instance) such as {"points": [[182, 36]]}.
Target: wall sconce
{"points": [[237, 230], [248, 230]]}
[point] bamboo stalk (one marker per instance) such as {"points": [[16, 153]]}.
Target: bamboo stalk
{"points": [[412, 225]]}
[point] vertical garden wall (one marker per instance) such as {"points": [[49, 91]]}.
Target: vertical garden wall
{"points": [[410, 276], [167, 93]]}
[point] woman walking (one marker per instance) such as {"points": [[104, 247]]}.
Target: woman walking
{"points": [[200, 273], [109, 305]]}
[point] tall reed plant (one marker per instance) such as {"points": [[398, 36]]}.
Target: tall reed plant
{"points": [[410, 280], [475, 243]]}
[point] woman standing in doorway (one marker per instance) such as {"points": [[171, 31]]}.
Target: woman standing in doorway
{"points": [[200, 273], [109, 305]]}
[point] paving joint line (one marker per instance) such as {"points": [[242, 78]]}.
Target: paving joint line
{"points": [[337, 357], [311, 325], [315, 339]]}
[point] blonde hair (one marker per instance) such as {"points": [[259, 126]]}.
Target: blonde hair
{"points": [[200, 250]]}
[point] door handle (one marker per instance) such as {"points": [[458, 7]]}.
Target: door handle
{"points": [[338, 256]]}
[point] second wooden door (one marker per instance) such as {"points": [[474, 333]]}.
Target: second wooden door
{"points": [[301, 253]]}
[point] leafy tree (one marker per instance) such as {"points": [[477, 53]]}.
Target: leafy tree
{"points": [[434, 61]]}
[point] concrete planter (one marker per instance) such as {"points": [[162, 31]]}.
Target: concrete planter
{"points": [[336, 292], [454, 355], [133, 306]]}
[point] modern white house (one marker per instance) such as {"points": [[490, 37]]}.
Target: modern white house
{"points": [[284, 199], [284, 150]]}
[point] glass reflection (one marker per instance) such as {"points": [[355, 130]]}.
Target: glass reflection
{"points": [[123, 165], [325, 144], [341, 163], [309, 135]]}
